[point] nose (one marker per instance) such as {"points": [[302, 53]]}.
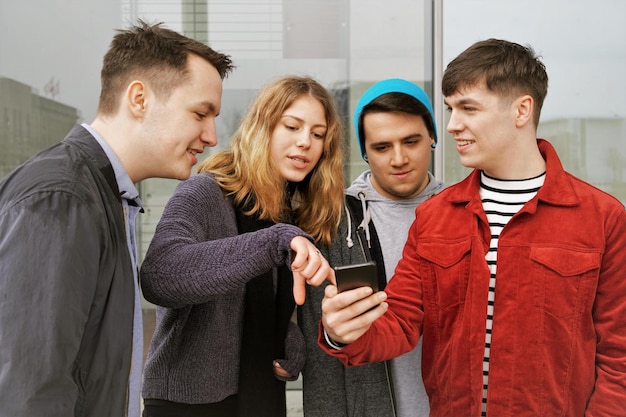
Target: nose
{"points": [[454, 124], [398, 157], [209, 133], [303, 139]]}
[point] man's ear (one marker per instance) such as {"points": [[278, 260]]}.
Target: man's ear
{"points": [[136, 99], [524, 109]]}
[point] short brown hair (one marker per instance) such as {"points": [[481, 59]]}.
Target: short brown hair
{"points": [[507, 68], [153, 53]]}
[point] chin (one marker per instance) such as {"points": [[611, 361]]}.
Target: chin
{"points": [[178, 175], [294, 178], [403, 193], [467, 162]]}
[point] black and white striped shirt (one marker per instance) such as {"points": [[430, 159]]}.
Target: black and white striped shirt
{"points": [[501, 200]]}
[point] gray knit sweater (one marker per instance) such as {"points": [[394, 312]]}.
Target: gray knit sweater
{"points": [[195, 271]]}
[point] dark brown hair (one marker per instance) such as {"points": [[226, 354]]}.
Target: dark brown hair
{"points": [[155, 54], [507, 68], [397, 102]]}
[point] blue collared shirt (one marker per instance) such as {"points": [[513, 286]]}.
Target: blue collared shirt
{"points": [[129, 193]]}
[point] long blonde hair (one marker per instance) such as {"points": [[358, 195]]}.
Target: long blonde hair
{"points": [[247, 174]]}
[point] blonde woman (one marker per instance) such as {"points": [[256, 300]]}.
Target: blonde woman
{"points": [[231, 254]]}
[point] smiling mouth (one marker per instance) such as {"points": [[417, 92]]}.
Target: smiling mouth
{"points": [[299, 160], [464, 142]]}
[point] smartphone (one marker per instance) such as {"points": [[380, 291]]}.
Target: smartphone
{"points": [[357, 275]]}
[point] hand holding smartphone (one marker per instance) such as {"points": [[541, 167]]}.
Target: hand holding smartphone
{"points": [[358, 275]]}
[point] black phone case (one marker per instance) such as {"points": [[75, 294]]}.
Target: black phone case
{"points": [[357, 275]]}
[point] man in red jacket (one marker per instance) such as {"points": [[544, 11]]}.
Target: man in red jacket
{"points": [[515, 277]]}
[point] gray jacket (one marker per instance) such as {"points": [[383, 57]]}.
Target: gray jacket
{"points": [[330, 389], [66, 285], [195, 271]]}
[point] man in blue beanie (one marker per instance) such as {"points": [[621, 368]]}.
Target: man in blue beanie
{"points": [[395, 129]]}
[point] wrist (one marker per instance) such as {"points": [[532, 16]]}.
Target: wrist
{"points": [[333, 343]]}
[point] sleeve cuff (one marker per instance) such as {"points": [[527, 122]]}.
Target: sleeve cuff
{"points": [[333, 344]]}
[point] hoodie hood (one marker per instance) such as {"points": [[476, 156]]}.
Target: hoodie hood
{"points": [[388, 214], [362, 188], [391, 85]]}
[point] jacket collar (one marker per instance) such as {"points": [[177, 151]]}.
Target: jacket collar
{"points": [[557, 189], [81, 138]]}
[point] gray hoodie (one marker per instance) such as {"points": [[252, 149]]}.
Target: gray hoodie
{"points": [[392, 219], [330, 389]]}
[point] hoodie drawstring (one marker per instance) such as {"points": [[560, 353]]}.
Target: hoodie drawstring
{"points": [[363, 197], [349, 234]]}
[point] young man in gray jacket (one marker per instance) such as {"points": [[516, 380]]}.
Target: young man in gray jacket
{"points": [[395, 128]]}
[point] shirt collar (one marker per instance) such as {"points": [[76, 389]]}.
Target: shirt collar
{"points": [[127, 189]]}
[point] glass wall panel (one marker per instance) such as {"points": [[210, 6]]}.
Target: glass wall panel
{"points": [[49, 69], [388, 39], [266, 39], [583, 45], [51, 52]]}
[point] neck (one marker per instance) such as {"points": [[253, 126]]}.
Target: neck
{"points": [[121, 147], [521, 163]]}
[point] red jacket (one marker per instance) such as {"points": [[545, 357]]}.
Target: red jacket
{"points": [[559, 330]]}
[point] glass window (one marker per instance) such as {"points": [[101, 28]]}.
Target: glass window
{"points": [[583, 45], [49, 69]]}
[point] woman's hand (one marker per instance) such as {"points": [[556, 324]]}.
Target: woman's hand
{"points": [[308, 267]]}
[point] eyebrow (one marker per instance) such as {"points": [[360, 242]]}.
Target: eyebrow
{"points": [[209, 106], [465, 100], [411, 136], [323, 125]]}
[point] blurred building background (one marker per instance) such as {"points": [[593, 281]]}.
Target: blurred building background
{"points": [[49, 70], [29, 123]]}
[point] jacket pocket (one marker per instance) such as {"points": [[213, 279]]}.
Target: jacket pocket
{"points": [[445, 274], [563, 278]]}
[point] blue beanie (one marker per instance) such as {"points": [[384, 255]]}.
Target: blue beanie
{"points": [[391, 85]]}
